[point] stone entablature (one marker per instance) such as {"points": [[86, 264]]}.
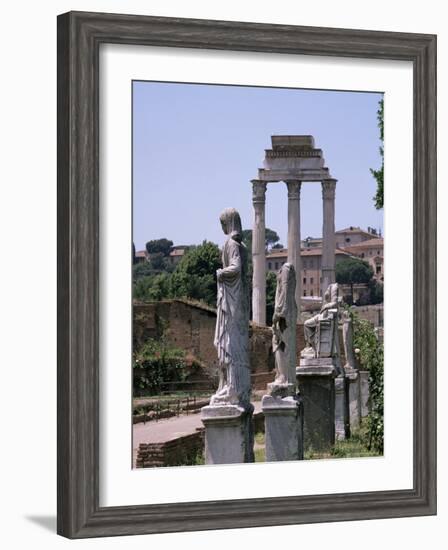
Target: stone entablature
{"points": [[293, 159]]}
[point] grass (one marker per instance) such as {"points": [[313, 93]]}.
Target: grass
{"points": [[355, 447]]}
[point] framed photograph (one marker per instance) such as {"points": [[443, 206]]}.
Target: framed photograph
{"points": [[246, 274]]}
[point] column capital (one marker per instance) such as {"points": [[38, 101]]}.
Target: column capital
{"points": [[258, 191], [328, 188], [294, 187]]}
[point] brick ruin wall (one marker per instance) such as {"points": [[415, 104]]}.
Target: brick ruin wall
{"points": [[191, 327]]}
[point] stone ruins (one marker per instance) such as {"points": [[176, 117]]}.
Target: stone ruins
{"points": [[308, 405], [293, 160], [307, 374]]}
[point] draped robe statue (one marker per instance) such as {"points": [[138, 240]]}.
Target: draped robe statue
{"points": [[330, 303], [347, 334], [232, 323], [284, 335]]}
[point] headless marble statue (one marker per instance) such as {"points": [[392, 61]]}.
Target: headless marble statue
{"points": [[329, 311], [284, 336], [232, 323]]}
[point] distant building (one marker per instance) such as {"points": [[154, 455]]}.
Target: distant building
{"points": [[372, 251], [344, 237], [353, 235], [311, 267], [177, 253], [141, 256]]}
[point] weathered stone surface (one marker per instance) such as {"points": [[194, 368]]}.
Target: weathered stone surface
{"points": [[292, 159], [284, 321], [365, 394], [191, 326], [294, 257], [342, 421], [232, 321], [283, 428], [347, 336], [229, 435], [354, 397], [321, 330], [317, 390], [328, 233], [259, 253]]}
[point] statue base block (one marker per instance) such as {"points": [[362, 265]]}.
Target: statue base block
{"points": [[229, 434], [283, 417], [341, 413], [315, 378], [354, 397]]}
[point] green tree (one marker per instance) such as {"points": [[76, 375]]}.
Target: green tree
{"points": [[153, 287], [195, 275], [379, 174], [271, 238], [162, 246], [271, 286], [141, 269], [158, 261], [353, 271]]}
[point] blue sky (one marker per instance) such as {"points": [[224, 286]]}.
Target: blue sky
{"points": [[196, 147]]}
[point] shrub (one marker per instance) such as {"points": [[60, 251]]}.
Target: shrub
{"points": [[156, 364], [371, 354]]}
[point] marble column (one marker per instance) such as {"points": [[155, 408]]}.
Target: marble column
{"points": [[328, 234], [259, 253], [294, 237]]}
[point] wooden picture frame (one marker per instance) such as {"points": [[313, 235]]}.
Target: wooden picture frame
{"points": [[79, 38]]}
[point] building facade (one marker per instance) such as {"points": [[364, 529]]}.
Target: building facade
{"points": [[371, 251], [311, 272]]}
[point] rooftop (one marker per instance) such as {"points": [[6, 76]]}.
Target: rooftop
{"points": [[376, 242], [317, 251]]}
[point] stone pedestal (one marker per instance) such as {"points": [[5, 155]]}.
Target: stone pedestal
{"points": [[283, 417], [229, 434], [365, 394], [315, 379], [354, 397], [341, 411]]}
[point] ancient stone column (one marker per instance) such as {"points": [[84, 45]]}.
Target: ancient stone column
{"points": [[328, 234], [259, 253], [294, 236]]}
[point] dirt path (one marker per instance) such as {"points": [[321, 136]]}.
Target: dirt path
{"points": [[169, 428]]}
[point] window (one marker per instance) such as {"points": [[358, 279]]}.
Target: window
{"points": [[362, 254], [347, 239], [311, 292], [304, 280], [378, 269], [269, 265], [312, 280], [276, 266], [304, 292]]}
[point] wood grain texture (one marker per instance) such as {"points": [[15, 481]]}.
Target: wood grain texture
{"points": [[79, 37]]}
